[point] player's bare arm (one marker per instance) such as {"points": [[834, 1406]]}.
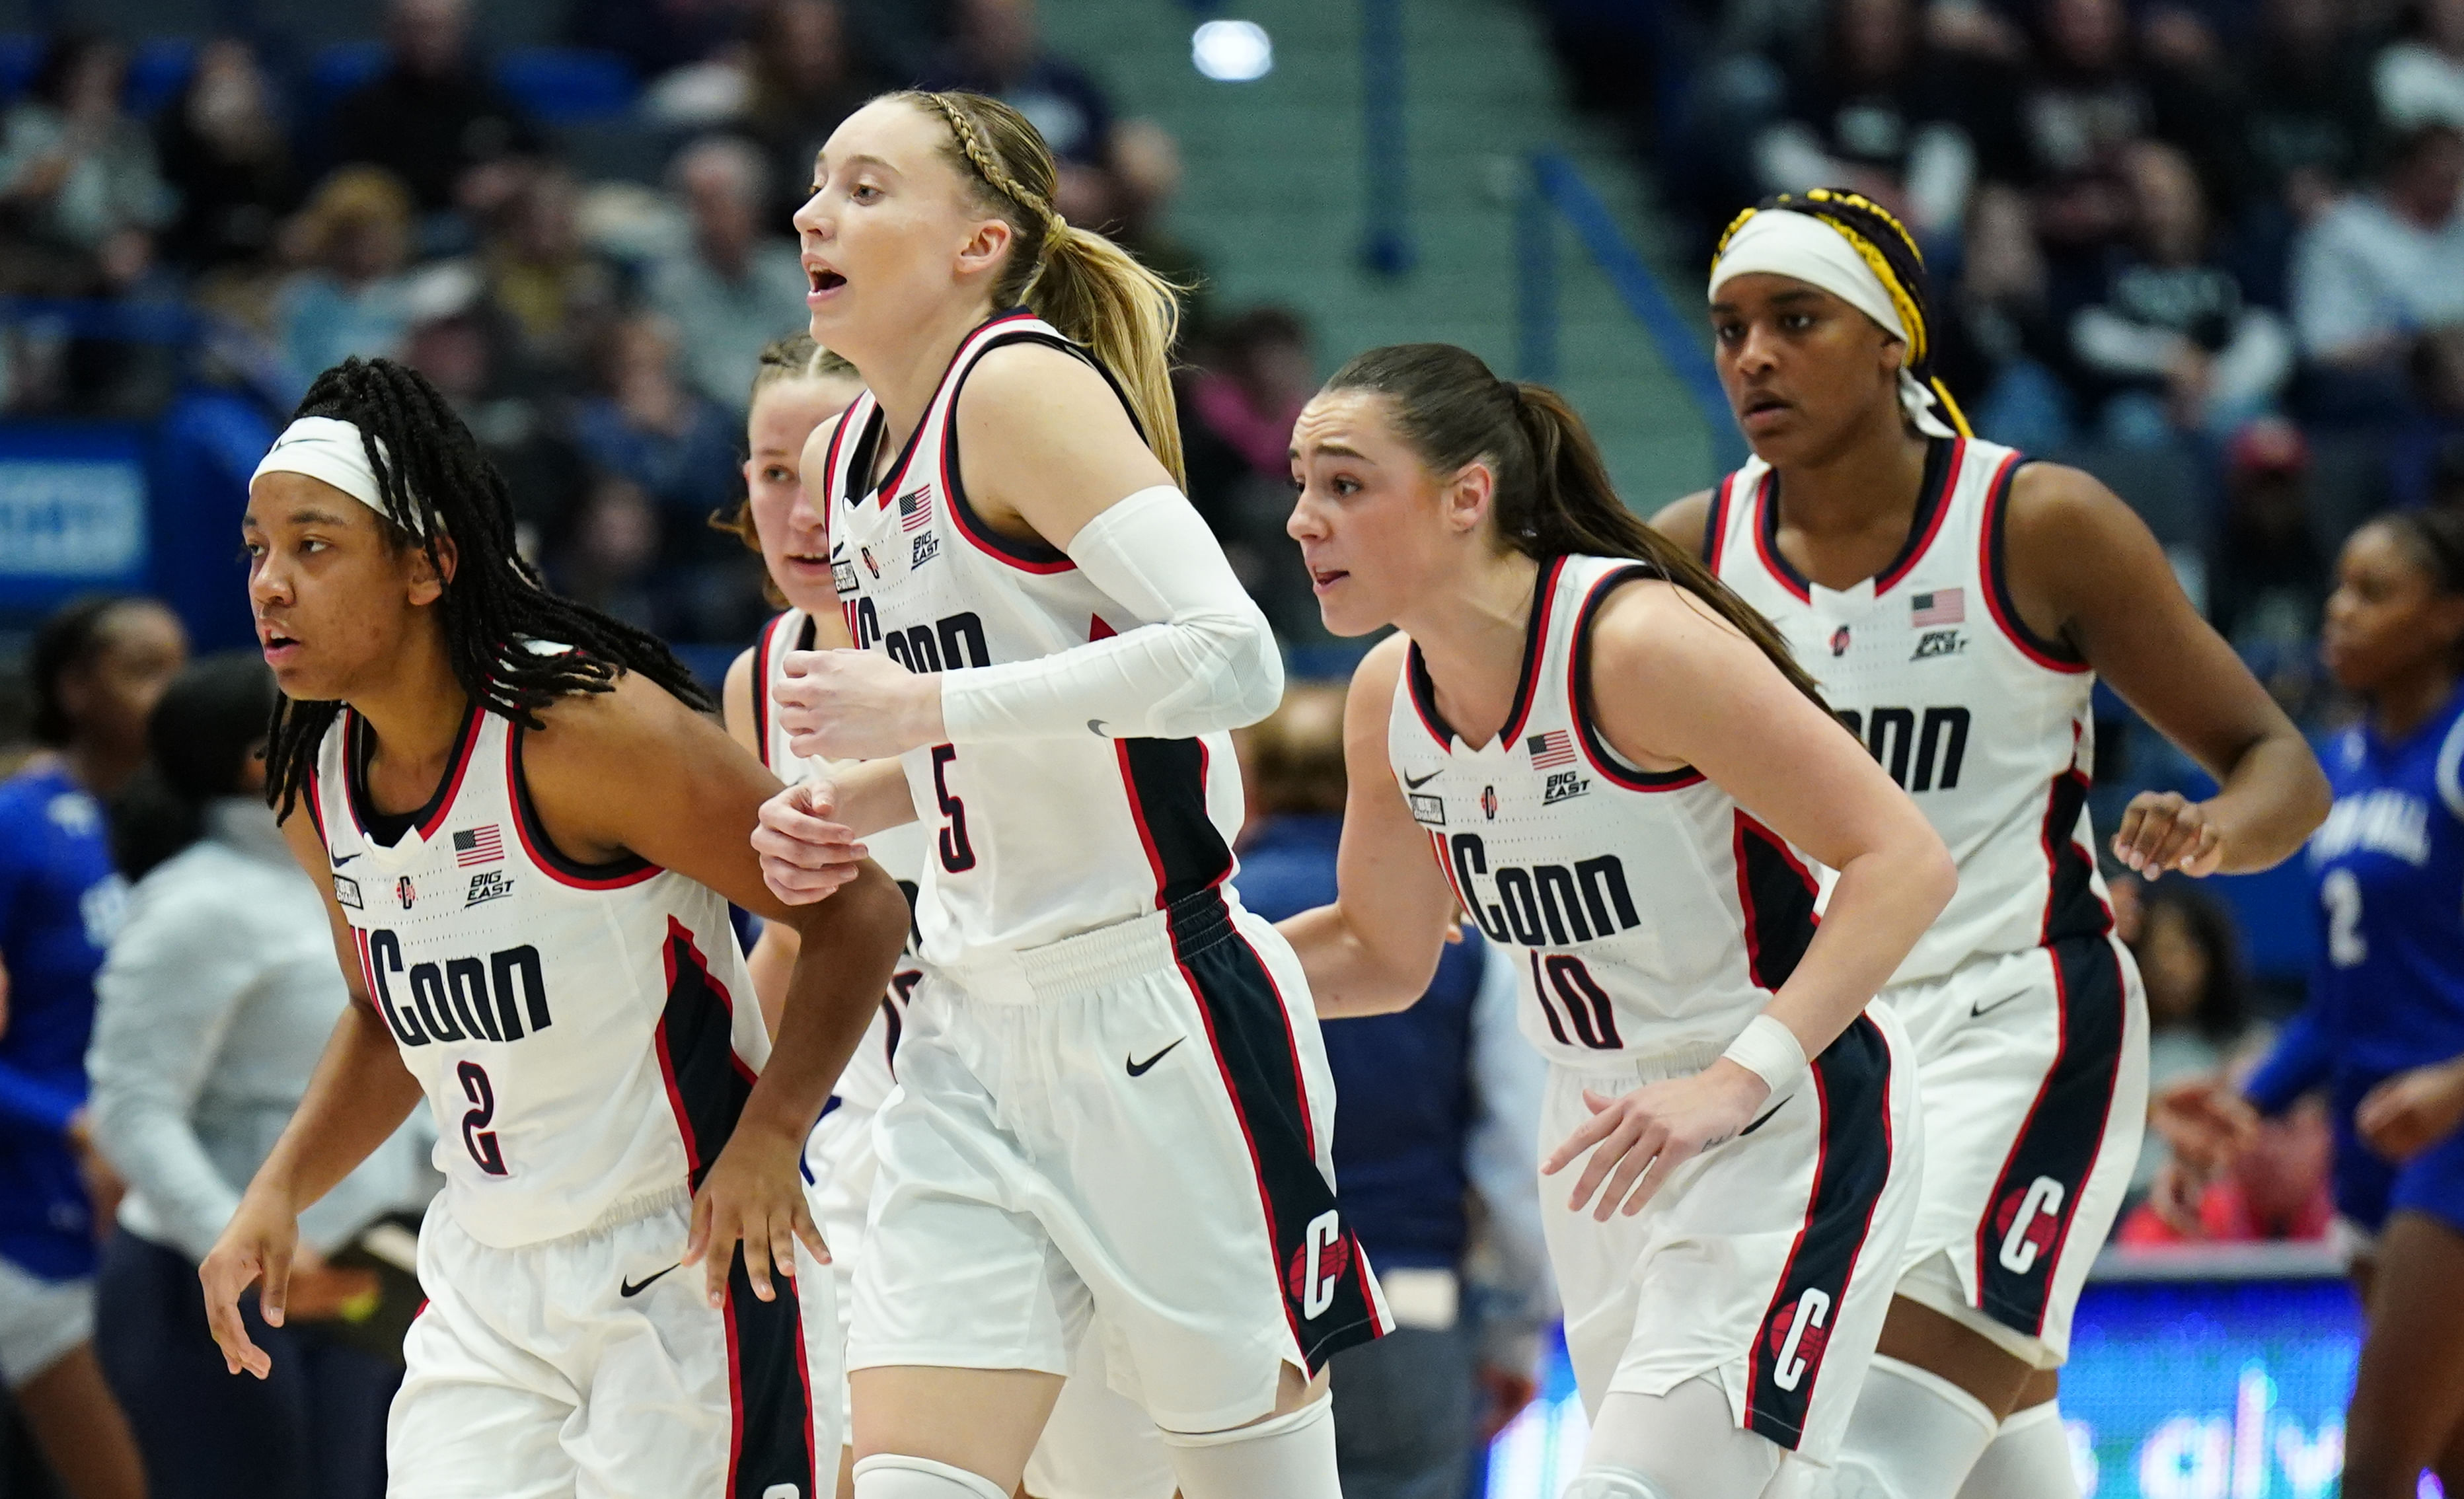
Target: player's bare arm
{"points": [[1682, 520], [358, 1096], [2084, 569], [694, 800], [1375, 949], [1673, 685]]}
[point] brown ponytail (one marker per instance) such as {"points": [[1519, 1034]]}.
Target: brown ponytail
{"points": [[1090, 289], [1552, 495]]}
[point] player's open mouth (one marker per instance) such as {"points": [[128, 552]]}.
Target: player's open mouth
{"points": [[1323, 579], [823, 279], [277, 645]]}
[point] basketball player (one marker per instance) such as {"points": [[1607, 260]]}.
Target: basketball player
{"points": [[2384, 1030], [1096, 1445], [527, 835], [1615, 763], [1955, 603], [1112, 1100]]}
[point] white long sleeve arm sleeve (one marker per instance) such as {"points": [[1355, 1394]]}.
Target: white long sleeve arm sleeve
{"points": [[1202, 657]]}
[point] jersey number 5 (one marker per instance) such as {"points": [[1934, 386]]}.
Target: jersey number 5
{"points": [[957, 853], [476, 1137]]}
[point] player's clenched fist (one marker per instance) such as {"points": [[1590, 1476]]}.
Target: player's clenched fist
{"points": [[2165, 830], [805, 854], [856, 705]]}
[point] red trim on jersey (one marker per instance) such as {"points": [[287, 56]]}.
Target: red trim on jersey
{"points": [[454, 785], [1535, 650], [1715, 526], [1413, 670], [1765, 519], [1796, 1247], [1097, 629], [1138, 816], [735, 1389], [1579, 660], [678, 932], [315, 804], [2006, 613], [952, 491], [368, 971], [1941, 499], [542, 853], [2068, 1209], [465, 744], [1741, 827]]}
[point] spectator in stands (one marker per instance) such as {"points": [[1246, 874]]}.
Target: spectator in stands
{"points": [[997, 49], [350, 296], [77, 176], [738, 284], [2307, 87], [544, 471], [2190, 958], [433, 115], [805, 79], [99, 665], [677, 450], [2380, 267], [1235, 432], [656, 35], [224, 149], [1441, 1106], [211, 1011], [553, 297], [2269, 579], [2419, 78], [2277, 1190], [2172, 343], [1870, 113], [2003, 354]]}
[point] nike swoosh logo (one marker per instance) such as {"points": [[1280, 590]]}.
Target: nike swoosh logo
{"points": [[1765, 1119], [1139, 1068], [1095, 727], [1412, 784], [344, 859], [634, 1287], [1988, 1010]]}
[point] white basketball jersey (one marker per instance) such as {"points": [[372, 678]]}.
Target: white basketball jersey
{"points": [[1654, 916], [1986, 725], [869, 1073], [1027, 841], [586, 1034]]}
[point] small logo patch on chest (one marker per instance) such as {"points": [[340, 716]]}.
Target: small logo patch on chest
{"points": [[1564, 786], [1428, 808], [926, 547], [346, 892], [404, 891], [1939, 643], [488, 885], [1488, 803], [1840, 641]]}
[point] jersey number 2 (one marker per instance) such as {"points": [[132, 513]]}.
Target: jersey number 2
{"points": [[957, 853], [2342, 895], [476, 1137]]}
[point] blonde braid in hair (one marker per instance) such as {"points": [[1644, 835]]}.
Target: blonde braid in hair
{"points": [[996, 176]]}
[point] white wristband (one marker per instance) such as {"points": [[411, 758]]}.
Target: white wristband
{"points": [[1771, 1051]]}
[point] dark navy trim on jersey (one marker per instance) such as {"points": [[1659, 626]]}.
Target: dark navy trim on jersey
{"points": [[769, 1393], [1035, 556], [1778, 894], [2054, 655], [1764, 522], [1250, 1033], [2072, 906], [1578, 691], [1852, 1083], [1715, 525], [1943, 461], [2059, 1140], [1535, 641], [707, 1082], [427, 819], [614, 874], [315, 802], [1166, 781]]}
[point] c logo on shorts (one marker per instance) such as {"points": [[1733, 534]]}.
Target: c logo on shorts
{"points": [[1319, 1265], [2029, 1223], [1799, 1334]]}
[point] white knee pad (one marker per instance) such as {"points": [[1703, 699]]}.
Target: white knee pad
{"points": [[1290, 1457], [2030, 1459], [1914, 1435], [890, 1475], [1611, 1483]]}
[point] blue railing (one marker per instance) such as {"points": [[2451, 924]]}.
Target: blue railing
{"points": [[1556, 191], [1386, 232]]}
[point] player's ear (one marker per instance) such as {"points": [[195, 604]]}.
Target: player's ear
{"points": [[427, 579], [1469, 496]]}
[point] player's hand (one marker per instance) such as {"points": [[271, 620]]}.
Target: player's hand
{"points": [[2205, 1122], [1504, 1392], [856, 705], [257, 1244], [805, 855], [1644, 1136], [2175, 1195], [754, 1194], [2413, 1111], [2165, 830]]}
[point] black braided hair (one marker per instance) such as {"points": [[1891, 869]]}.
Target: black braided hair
{"points": [[1885, 244], [436, 482]]}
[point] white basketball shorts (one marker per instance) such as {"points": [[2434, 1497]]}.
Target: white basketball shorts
{"points": [[592, 1367], [41, 1321], [1133, 1122], [2033, 1070], [1765, 1264]]}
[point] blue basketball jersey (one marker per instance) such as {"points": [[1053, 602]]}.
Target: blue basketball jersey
{"points": [[2389, 869]]}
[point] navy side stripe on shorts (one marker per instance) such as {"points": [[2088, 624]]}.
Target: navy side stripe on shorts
{"points": [[1851, 1084], [770, 1394]]}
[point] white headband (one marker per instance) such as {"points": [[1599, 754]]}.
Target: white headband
{"points": [[1781, 242], [328, 449]]}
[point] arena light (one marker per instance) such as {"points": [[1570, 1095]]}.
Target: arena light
{"points": [[1232, 51]]}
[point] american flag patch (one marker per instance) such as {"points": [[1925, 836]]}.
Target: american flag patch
{"points": [[1552, 749], [474, 845], [915, 511], [1942, 606]]}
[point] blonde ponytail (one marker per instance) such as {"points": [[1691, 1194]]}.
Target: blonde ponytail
{"points": [[1093, 291]]}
